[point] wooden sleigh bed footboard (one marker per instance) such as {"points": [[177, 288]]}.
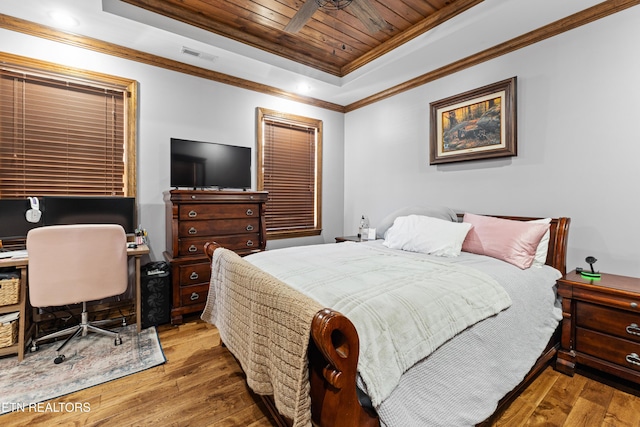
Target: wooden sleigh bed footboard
{"points": [[334, 349], [333, 363]]}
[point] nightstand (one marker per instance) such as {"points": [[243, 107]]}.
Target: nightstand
{"points": [[348, 239], [600, 324]]}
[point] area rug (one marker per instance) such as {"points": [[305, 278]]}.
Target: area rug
{"points": [[90, 360]]}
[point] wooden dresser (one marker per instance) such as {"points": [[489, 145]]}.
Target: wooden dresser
{"points": [[234, 219], [600, 325]]}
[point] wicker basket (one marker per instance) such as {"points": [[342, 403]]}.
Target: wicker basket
{"points": [[9, 291], [8, 333]]}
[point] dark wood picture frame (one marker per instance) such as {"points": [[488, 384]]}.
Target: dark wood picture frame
{"points": [[478, 124]]}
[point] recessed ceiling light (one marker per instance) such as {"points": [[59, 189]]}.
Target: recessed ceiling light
{"points": [[304, 87], [63, 19]]}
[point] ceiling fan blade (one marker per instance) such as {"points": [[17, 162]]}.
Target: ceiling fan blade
{"points": [[301, 17], [366, 12]]}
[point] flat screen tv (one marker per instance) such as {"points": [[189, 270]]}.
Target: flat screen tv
{"points": [[65, 210], [198, 164]]}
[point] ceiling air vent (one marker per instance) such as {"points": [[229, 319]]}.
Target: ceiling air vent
{"points": [[198, 54]]}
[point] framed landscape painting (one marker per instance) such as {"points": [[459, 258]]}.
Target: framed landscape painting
{"points": [[478, 124]]}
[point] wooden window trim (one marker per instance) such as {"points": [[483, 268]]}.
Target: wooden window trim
{"points": [[272, 115]]}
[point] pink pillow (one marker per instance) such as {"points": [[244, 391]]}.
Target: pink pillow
{"points": [[512, 241]]}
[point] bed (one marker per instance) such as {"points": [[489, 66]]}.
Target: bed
{"points": [[281, 314]]}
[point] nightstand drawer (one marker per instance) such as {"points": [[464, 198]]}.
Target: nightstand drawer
{"points": [[620, 323], [606, 297], [615, 350]]}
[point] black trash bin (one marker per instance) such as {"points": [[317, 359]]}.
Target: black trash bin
{"points": [[155, 283]]}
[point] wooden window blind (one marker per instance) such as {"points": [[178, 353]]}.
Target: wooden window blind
{"points": [[62, 136], [289, 160]]}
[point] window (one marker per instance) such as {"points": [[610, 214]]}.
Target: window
{"points": [[64, 131], [289, 168]]}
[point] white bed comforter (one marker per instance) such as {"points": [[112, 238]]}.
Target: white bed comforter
{"points": [[461, 383], [402, 307]]}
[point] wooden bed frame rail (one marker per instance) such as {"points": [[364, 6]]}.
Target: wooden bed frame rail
{"points": [[334, 349]]}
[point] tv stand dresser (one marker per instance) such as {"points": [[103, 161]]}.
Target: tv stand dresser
{"points": [[233, 219]]}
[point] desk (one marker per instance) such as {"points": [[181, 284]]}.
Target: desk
{"points": [[25, 327]]}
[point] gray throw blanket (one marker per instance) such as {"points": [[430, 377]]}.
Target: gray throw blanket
{"points": [[266, 325]]}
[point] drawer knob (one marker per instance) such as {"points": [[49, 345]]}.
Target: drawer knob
{"points": [[194, 296], [193, 230], [633, 358], [249, 212], [249, 243], [633, 329], [193, 248], [249, 227], [192, 214], [193, 276], [634, 305]]}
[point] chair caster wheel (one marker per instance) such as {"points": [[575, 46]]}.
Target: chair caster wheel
{"points": [[118, 341], [59, 359]]}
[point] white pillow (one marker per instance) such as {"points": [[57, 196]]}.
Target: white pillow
{"points": [[441, 212], [541, 251], [428, 235]]}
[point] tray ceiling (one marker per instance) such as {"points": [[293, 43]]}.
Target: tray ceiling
{"points": [[333, 41], [245, 44]]}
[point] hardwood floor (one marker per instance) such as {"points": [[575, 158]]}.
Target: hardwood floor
{"points": [[199, 385], [202, 385], [556, 400]]}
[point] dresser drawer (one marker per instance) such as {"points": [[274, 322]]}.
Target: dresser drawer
{"points": [[620, 323], [615, 350], [196, 294], [193, 274], [239, 242], [218, 227], [213, 211]]}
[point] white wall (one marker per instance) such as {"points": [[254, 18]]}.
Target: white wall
{"points": [[578, 145], [577, 139], [177, 105]]}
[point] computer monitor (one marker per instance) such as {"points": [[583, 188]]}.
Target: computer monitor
{"points": [[65, 210]]}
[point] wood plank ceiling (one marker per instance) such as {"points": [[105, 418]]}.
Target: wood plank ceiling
{"points": [[333, 41]]}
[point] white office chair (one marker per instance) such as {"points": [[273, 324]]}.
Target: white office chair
{"points": [[70, 264]]}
